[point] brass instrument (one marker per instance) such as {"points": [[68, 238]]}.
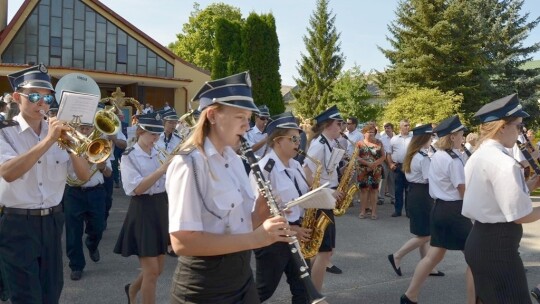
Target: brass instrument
{"points": [[188, 121], [94, 148], [75, 182], [343, 204], [318, 225]]}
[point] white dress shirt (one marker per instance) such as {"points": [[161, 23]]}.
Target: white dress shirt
{"points": [[445, 174], [385, 139], [355, 136], [319, 149], [223, 201], [496, 190], [170, 145], [419, 169], [119, 136], [254, 136], [136, 165], [43, 185], [398, 147], [282, 184]]}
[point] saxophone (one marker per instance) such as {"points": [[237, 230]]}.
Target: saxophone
{"points": [[318, 225], [343, 204]]}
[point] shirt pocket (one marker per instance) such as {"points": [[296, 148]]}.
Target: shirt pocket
{"points": [[228, 200], [57, 165]]}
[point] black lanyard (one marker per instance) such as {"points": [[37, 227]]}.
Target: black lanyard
{"points": [[295, 183]]}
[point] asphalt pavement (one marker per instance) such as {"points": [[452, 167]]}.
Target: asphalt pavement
{"points": [[362, 249]]}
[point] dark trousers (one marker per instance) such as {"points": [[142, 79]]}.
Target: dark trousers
{"points": [[31, 252], [401, 187], [83, 206], [272, 261], [108, 184]]}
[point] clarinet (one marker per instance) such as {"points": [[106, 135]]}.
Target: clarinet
{"points": [[528, 157], [265, 188], [528, 142]]}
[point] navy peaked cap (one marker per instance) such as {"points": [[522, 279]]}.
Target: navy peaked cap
{"points": [[33, 77], [263, 111], [330, 113], [448, 126], [508, 106], [282, 121], [169, 114], [232, 91], [151, 122], [423, 129]]}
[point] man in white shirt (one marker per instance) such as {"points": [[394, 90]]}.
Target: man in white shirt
{"points": [[387, 183], [256, 136], [353, 134], [395, 157]]}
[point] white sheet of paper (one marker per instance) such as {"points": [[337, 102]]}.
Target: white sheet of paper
{"points": [[77, 104], [335, 158], [320, 198]]}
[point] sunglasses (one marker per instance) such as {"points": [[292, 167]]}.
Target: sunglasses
{"points": [[295, 139], [35, 97], [262, 118]]}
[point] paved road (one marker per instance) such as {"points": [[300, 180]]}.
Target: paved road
{"points": [[362, 247]]}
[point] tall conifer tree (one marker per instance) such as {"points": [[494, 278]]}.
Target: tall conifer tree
{"points": [[261, 57], [227, 56], [321, 66]]}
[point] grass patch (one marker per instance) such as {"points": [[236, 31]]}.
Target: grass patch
{"points": [[535, 193]]}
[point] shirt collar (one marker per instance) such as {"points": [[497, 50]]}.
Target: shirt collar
{"points": [[210, 150], [278, 164], [138, 148], [25, 126], [257, 129], [495, 144]]}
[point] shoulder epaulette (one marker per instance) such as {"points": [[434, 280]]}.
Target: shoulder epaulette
{"points": [[187, 150], [424, 154], [8, 123], [176, 135], [322, 140], [128, 150], [269, 165], [451, 153]]}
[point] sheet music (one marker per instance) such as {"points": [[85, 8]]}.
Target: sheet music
{"points": [[77, 104], [335, 158], [320, 198]]}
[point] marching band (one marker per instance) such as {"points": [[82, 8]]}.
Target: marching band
{"points": [[186, 177]]}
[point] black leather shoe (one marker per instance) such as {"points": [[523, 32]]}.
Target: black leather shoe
{"points": [[395, 214], [171, 253], [393, 263], [76, 275], [405, 300], [334, 269], [437, 274], [535, 292], [380, 202], [94, 255]]}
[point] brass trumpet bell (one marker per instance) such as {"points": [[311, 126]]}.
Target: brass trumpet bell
{"points": [[98, 150]]}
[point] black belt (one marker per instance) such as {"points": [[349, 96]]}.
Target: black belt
{"points": [[32, 212], [297, 222], [84, 189]]}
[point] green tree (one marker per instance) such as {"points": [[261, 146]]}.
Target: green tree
{"points": [[350, 94], [435, 44], [196, 42], [504, 32], [261, 57], [320, 67], [227, 57], [420, 105]]}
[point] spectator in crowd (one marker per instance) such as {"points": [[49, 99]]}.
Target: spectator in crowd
{"points": [[396, 155], [3, 110], [387, 182]]}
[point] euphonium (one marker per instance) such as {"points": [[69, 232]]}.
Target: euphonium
{"points": [[75, 182], [317, 225], [343, 204]]}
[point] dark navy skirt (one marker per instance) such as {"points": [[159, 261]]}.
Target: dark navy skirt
{"points": [[492, 253], [449, 229], [419, 205]]}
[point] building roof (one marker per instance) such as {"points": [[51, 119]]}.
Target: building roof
{"points": [[120, 19]]}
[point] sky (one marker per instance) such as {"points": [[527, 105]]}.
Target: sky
{"points": [[362, 24]]}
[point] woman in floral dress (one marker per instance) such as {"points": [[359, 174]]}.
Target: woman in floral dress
{"points": [[370, 159]]}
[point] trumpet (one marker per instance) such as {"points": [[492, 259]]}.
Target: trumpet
{"points": [[94, 148]]}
